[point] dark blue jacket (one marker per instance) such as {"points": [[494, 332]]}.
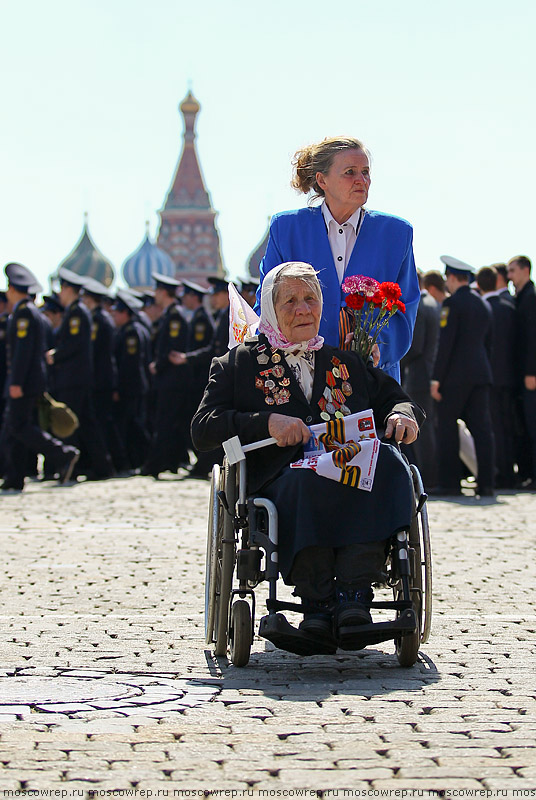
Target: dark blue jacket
{"points": [[26, 349]]}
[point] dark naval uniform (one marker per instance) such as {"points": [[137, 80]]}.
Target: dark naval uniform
{"points": [[3, 361], [26, 368], [503, 390], [463, 369], [172, 384], [132, 386], [73, 376], [416, 368], [525, 364], [104, 369]]}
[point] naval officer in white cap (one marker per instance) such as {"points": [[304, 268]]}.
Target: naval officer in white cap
{"points": [[462, 379]]}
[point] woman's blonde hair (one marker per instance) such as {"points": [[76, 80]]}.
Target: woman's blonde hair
{"points": [[319, 158]]}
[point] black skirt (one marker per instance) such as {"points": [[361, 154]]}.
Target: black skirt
{"points": [[316, 511]]}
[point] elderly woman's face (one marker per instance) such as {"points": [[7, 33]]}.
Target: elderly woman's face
{"points": [[298, 310]]}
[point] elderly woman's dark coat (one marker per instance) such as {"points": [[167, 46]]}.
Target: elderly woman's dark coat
{"points": [[312, 510]]}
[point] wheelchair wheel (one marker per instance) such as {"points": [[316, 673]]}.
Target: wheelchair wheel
{"points": [[407, 647], [226, 561], [240, 633], [212, 566]]}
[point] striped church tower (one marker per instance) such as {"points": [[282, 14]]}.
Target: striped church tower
{"points": [[188, 231]]}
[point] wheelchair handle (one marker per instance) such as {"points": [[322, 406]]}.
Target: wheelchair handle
{"points": [[257, 445]]}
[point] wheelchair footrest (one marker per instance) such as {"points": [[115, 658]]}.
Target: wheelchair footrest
{"points": [[277, 629], [356, 637]]}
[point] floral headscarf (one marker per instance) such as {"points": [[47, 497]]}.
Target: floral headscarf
{"points": [[268, 323]]}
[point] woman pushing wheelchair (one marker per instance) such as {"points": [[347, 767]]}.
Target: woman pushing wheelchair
{"points": [[332, 535]]}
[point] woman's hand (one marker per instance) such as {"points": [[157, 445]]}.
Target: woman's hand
{"points": [[375, 352], [288, 430], [405, 429]]}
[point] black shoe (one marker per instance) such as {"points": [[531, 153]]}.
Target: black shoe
{"points": [[444, 491], [318, 619], [485, 491], [11, 488], [66, 471], [351, 615]]}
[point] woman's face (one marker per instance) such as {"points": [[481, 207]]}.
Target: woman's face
{"points": [[346, 184], [298, 310]]}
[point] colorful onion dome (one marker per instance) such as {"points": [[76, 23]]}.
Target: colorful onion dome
{"points": [[148, 258], [87, 260]]}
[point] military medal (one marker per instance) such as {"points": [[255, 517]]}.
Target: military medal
{"points": [[276, 358], [339, 414], [285, 382], [278, 371], [263, 358], [343, 369], [338, 395], [269, 400], [330, 378], [336, 372], [259, 384], [347, 388], [330, 408], [269, 384], [325, 416], [335, 361]]}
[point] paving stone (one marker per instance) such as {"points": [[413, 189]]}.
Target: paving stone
{"points": [[108, 592]]}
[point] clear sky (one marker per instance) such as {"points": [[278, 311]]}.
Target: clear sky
{"points": [[443, 94]]}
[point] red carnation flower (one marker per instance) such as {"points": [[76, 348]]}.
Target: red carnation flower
{"points": [[400, 305], [377, 298], [355, 301], [392, 291]]}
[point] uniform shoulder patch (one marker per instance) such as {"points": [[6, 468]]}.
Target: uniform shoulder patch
{"points": [[22, 327], [443, 319], [74, 326]]}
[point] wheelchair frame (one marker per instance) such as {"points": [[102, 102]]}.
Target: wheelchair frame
{"points": [[241, 529]]}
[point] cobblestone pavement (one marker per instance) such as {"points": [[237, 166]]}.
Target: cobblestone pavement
{"points": [[105, 681]]}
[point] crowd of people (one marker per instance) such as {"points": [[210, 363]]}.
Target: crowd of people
{"points": [[473, 358], [132, 367]]}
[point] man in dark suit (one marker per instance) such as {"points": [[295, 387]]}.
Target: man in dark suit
{"points": [[168, 448], [461, 380], [26, 381], [72, 362], [519, 269], [416, 369], [502, 307]]}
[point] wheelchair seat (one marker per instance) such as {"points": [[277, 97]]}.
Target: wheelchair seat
{"points": [[242, 553]]}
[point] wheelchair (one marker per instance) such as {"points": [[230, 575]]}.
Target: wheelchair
{"points": [[242, 553]]}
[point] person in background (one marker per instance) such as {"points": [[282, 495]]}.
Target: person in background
{"points": [[219, 300], [3, 359], [132, 382], [434, 283], [341, 238], [519, 269], [416, 367], [26, 381], [168, 449], [72, 363], [104, 366], [502, 366], [461, 380], [248, 290]]}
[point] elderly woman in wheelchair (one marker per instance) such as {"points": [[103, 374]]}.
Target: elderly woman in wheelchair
{"points": [[334, 541]]}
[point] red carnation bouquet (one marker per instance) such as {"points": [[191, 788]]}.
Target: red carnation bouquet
{"points": [[372, 305]]}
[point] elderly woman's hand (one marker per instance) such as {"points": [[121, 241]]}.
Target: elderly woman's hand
{"points": [[405, 429], [288, 430]]}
